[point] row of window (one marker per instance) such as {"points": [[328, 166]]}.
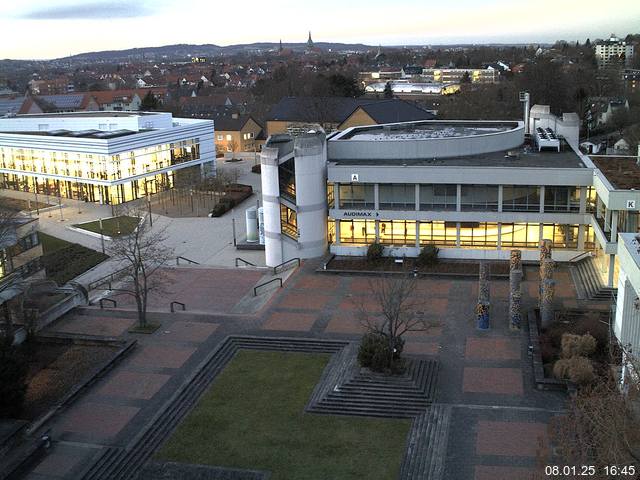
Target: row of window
{"points": [[471, 234], [472, 197]]}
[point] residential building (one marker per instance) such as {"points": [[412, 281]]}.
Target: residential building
{"points": [[237, 133], [54, 86], [631, 79], [613, 52], [106, 157], [457, 75], [603, 109], [295, 115]]}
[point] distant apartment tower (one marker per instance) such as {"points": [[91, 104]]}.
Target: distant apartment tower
{"points": [[613, 51], [55, 86]]}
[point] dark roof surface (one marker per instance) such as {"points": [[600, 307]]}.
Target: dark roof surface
{"points": [[227, 123], [622, 172], [337, 109]]}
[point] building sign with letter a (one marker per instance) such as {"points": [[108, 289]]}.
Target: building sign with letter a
{"points": [[354, 177]]}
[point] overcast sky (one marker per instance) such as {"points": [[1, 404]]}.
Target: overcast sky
{"points": [[57, 28]]}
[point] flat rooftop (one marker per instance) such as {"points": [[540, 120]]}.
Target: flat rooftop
{"points": [[92, 114], [99, 134], [426, 130], [523, 157], [623, 173]]}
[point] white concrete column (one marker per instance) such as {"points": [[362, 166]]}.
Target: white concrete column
{"points": [[583, 199], [336, 195], [336, 240], [376, 197], [581, 235], [417, 196], [612, 266], [417, 234], [614, 226], [377, 229], [607, 220], [458, 198], [271, 205], [541, 199], [458, 233], [500, 228], [500, 195]]}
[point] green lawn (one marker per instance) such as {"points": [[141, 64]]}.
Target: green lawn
{"points": [[112, 227], [64, 260], [253, 417]]}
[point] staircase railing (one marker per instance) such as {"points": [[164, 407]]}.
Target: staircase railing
{"points": [[238, 259], [583, 254], [284, 264], [108, 279], [186, 260], [174, 303], [255, 289], [113, 302]]}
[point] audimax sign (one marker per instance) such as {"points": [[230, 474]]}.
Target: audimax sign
{"points": [[360, 214]]}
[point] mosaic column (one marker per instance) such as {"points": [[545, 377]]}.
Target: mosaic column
{"points": [[482, 308], [545, 252], [515, 289], [546, 302]]}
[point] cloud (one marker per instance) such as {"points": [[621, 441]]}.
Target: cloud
{"points": [[99, 10]]}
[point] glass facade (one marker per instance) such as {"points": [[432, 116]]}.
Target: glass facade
{"points": [[480, 235], [288, 221], [561, 199], [479, 197], [357, 195], [397, 196], [438, 197], [358, 231], [520, 235], [398, 232], [81, 168], [520, 198], [287, 179]]}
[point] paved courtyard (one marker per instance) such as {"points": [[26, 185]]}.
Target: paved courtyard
{"points": [[499, 420]]}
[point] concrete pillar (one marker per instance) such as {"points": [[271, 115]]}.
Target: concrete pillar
{"points": [[377, 230], [583, 199], [417, 234], [336, 195], [614, 226], [458, 198], [581, 236], [541, 199], [417, 196], [500, 195], [376, 196], [336, 240], [499, 245], [599, 207], [612, 267], [457, 234], [607, 220]]}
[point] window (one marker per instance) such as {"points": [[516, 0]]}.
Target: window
{"points": [[357, 231], [220, 137], [520, 235], [357, 195], [397, 196], [478, 234], [229, 137], [438, 197], [438, 233], [330, 195], [288, 222], [287, 179], [479, 197], [520, 198], [398, 232], [561, 199], [563, 236]]}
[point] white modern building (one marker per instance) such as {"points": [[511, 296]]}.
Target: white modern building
{"points": [[613, 51], [106, 157]]}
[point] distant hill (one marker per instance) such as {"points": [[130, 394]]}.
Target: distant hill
{"points": [[186, 50]]}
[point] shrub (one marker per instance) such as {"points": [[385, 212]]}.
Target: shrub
{"points": [[13, 382], [374, 252], [428, 256], [219, 210], [577, 345], [578, 370], [374, 352]]}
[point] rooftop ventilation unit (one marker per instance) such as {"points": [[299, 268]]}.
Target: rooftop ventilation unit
{"points": [[546, 138]]}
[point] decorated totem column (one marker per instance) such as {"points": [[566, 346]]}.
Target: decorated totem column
{"points": [[515, 290], [545, 252], [482, 309], [547, 267]]}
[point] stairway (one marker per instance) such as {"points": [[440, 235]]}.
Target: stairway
{"points": [[587, 277], [427, 445]]}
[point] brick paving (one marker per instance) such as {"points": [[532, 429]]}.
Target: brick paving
{"points": [[497, 413]]}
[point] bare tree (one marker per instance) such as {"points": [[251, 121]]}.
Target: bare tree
{"points": [[143, 253], [401, 311]]}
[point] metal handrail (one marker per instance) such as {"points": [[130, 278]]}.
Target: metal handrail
{"points": [[588, 252], [244, 261], [255, 289], [275, 269], [115, 304], [171, 306], [186, 259], [106, 279]]}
